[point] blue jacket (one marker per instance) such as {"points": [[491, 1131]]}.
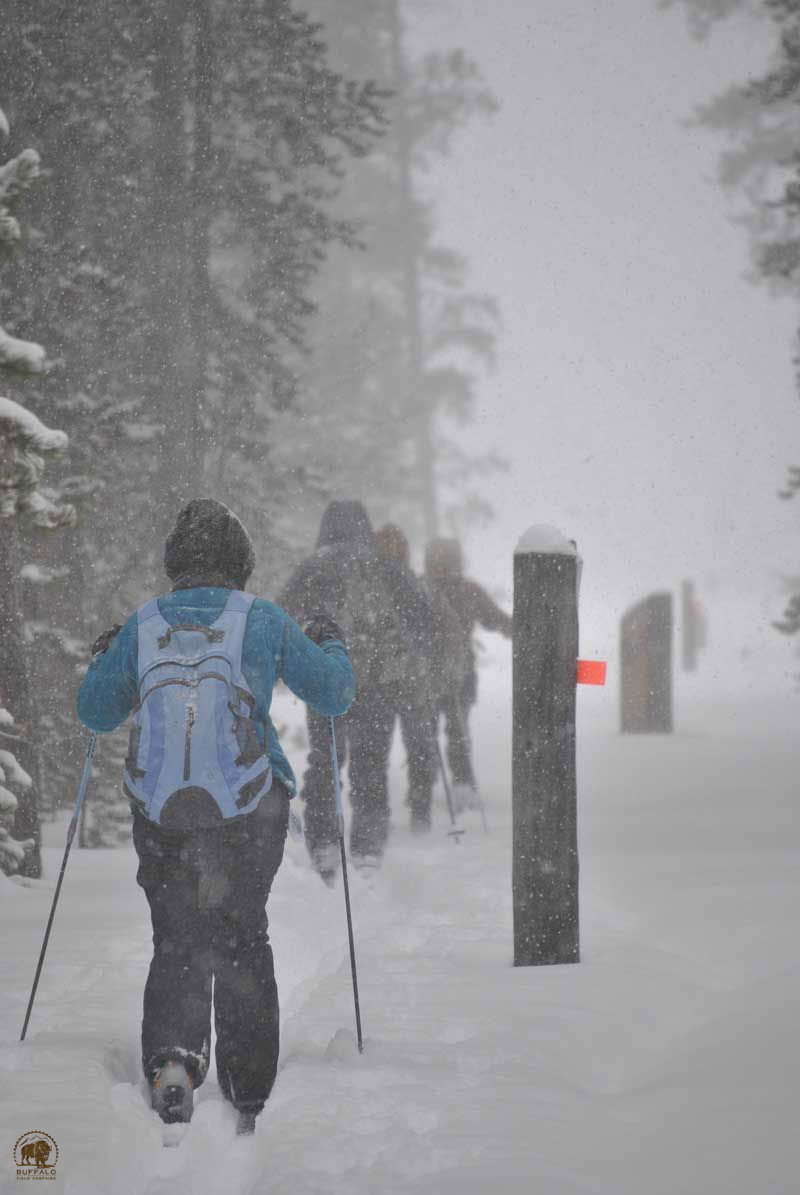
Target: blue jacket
{"points": [[275, 648]]}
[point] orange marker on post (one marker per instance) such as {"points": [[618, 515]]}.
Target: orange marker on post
{"points": [[591, 672]]}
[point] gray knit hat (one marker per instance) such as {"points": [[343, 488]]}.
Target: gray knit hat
{"points": [[208, 545]]}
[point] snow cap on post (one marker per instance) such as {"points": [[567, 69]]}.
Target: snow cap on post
{"points": [[550, 542], [544, 538]]}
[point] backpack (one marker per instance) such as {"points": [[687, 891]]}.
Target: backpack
{"points": [[363, 618], [194, 759], [362, 602]]}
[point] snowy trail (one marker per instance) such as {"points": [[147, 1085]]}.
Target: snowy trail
{"points": [[665, 1063]]}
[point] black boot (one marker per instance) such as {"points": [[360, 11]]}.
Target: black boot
{"points": [[246, 1124], [171, 1093]]}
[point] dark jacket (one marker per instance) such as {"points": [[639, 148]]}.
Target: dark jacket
{"points": [[470, 605], [382, 610]]}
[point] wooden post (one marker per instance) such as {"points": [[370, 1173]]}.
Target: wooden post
{"points": [[545, 653], [646, 667]]}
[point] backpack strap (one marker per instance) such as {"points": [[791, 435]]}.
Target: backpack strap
{"points": [[149, 610], [238, 602]]}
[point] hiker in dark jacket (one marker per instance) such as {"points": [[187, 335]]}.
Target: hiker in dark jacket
{"points": [[471, 605], [209, 787], [372, 605], [414, 697]]}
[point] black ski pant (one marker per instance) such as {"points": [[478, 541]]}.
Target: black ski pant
{"points": [[360, 734], [455, 706], [415, 711], [207, 891]]}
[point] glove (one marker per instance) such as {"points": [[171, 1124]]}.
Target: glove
{"points": [[103, 642], [322, 628]]}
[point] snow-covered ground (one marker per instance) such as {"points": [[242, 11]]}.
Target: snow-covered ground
{"points": [[666, 1063]]}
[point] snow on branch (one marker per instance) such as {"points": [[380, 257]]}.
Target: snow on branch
{"points": [[16, 176], [20, 424], [12, 850], [25, 356], [25, 442], [13, 771]]}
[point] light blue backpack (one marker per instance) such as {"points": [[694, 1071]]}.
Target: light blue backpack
{"points": [[195, 758]]}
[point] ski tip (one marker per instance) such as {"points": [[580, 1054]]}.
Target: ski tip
{"points": [[173, 1134]]}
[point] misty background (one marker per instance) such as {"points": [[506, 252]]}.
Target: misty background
{"points": [[645, 394], [482, 266], [478, 270]]}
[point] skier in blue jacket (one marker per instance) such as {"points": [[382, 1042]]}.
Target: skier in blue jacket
{"points": [[209, 787]]}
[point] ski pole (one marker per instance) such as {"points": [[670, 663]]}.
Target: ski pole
{"points": [[337, 788], [454, 833], [465, 736], [70, 835]]}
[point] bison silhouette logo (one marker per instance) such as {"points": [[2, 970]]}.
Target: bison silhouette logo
{"points": [[36, 1150], [36, 1153]]}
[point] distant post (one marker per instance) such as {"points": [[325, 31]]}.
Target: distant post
{"points": [[545, 652], [693, 624], [646, 667]]}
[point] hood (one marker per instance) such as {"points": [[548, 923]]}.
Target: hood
{"points": [[393, 545], [443, 559], [345, 523]]}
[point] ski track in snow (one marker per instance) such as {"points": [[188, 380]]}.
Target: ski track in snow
{"points": [[665, 1064]]}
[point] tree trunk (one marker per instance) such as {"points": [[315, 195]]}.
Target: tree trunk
{"points": [[200, 216], [418, 405], [170, 289]]}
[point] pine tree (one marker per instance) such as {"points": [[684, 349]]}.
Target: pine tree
{"points": [[760, 117], [13, 852], [397, 323], [194, 150], [25, 444]]}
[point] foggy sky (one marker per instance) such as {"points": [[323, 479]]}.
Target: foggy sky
{"points": [[644, 392]]}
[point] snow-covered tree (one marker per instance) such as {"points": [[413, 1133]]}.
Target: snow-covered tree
{"points": [[25, 445], [16, 177], [194, 150], [186, 262], [12, 775]]}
